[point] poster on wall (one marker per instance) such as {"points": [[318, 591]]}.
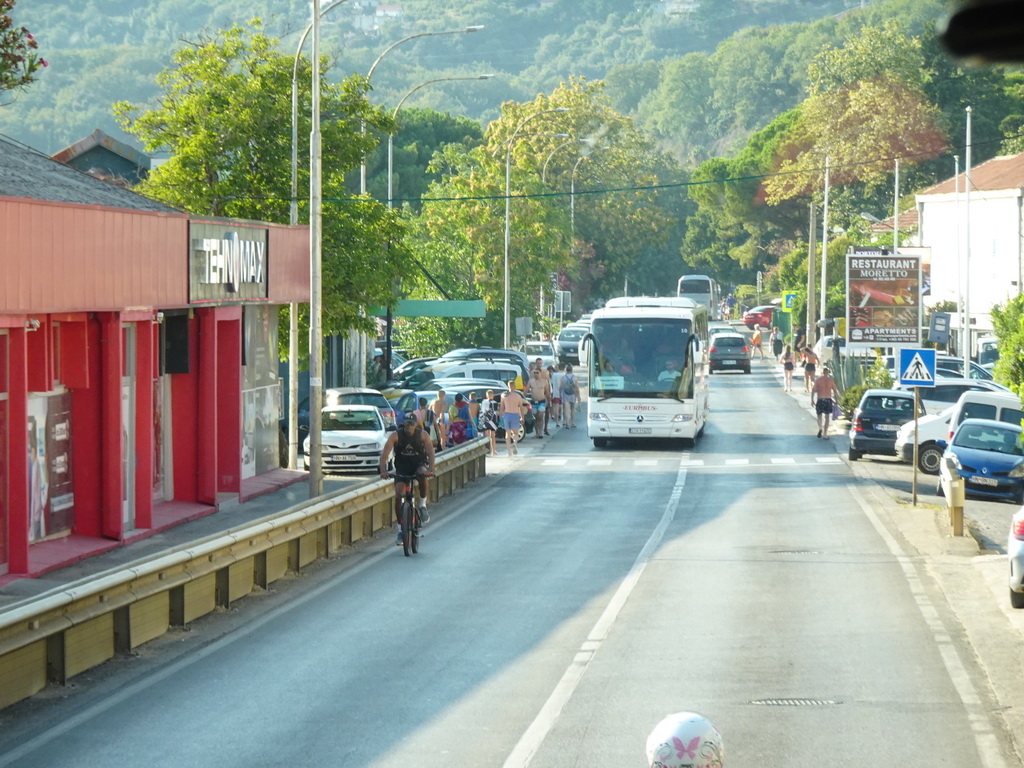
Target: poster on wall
{"points": [[261, 411], [51, 490], [883, 298], [58, 456]]}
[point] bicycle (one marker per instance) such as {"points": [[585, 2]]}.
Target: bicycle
{"points": [[409, 516]]}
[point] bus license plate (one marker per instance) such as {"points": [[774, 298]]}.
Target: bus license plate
{"points": [[639, 430]]}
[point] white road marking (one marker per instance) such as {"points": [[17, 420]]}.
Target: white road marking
{"points": [[829, 460], [599, 462], [531, 740], [555, 462], [645, 462], [692, 462]]}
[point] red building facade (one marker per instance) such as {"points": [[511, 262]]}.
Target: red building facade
{"points": [[138, 361]]}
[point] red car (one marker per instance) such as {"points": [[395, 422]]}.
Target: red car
{"points": [[761, 316]]}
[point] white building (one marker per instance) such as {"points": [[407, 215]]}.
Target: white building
{"points": [[993, 260]]}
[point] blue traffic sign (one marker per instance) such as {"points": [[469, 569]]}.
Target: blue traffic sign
{"points": [[917, 368]]}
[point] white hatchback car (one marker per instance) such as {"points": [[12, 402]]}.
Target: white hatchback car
{"points": [[352, 437]]}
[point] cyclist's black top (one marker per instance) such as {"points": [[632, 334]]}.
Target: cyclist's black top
{"points": [[409, 451]]}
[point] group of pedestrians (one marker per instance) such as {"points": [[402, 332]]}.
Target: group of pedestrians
{"points": [[554, 398], [822, 388]]}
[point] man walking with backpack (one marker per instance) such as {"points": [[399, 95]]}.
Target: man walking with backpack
{"points": [[569, 394]]}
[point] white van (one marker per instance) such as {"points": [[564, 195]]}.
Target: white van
{"points": [[930, 430], [986, 405]]}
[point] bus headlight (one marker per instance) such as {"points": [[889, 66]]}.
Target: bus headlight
{"points": [[682, 417], [598, 417]]}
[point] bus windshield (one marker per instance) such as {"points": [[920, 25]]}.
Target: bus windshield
{"points": [[694, 285], [644, 358]]}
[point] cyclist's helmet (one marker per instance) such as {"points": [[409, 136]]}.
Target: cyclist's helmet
{"points": [[685, 740]]}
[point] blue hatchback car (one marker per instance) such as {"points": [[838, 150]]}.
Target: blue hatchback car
{"points": [[989, 456]]}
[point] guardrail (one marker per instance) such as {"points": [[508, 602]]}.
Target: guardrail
{"points": [[57, 635]]}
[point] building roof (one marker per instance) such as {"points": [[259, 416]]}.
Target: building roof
{"points": [[99, 139], [26, 173], [908, 222], [1006, 172]]}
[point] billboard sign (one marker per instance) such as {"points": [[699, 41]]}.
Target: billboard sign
{"points": [[883, 293]]}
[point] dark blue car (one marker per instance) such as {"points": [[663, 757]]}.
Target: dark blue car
{"points": [[879, 415], [989, 456]]}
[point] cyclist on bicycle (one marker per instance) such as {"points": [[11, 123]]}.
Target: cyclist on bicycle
{"points": [[414, 459], [685, 740]]}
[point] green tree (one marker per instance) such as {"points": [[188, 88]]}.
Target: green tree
{"points": [[1008, 320], [865, 95], [19, 61], [224, 115]]}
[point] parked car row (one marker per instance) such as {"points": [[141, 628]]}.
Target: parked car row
{"points": [[979, 438]]}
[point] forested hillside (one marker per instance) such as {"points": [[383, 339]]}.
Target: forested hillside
{"points": [[102, 51]]}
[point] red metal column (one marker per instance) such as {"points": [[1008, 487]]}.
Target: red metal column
{"points": [[207, 408], [111, 429], [144, 376], [229, 400], [17, 451]]}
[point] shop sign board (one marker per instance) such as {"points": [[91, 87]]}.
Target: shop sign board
{"points": [[227, 262]]}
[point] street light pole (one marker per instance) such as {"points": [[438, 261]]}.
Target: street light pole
{"points": [[316, 480], [544, 170], [394, 116], [362, 126], [293, 219], [508, 213]]}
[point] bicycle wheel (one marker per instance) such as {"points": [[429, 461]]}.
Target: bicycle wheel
{"points": [[407, 527], [416, 532]]}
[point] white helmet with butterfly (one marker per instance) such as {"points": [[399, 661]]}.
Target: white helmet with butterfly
{"points": [[685, 740]]}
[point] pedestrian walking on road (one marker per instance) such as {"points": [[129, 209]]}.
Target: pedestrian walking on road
{"points": [[823, 396], [511, 412], [556, 395], [787, 367], [570, 395], [540, 393], [489, 419], [756, 343], [810, 363], [775, 341]]}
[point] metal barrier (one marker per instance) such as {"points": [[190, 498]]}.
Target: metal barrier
{"points": [[57, 635]]}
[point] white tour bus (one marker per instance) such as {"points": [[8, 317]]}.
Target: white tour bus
{"points": [[703, 290], [647, 364]]}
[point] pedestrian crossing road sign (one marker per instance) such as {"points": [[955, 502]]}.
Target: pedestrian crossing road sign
{"points": [[788, 300], [917, 367]]}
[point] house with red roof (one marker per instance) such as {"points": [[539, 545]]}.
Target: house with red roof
{"points": [[976, 238]]}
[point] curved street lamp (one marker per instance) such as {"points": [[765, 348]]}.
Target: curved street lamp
{"points": [[508, 210], [362, 127], [572, 189], [394, 116], [544, 170]]}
